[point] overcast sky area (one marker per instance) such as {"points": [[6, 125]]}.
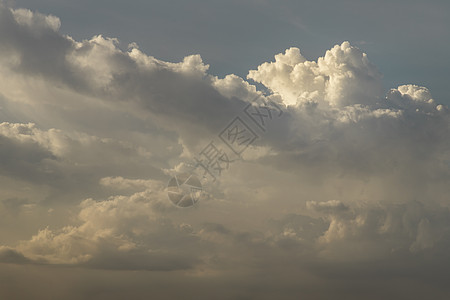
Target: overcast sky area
{"points": [[319, 131]]}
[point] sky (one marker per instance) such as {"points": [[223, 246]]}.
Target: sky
{"points": [[406, 39], [224, 150]]}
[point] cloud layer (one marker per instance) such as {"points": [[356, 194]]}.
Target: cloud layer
{"points": [[349, 182]]}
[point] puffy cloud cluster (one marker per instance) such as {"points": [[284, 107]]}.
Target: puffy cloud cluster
{"points": [[89, 134], [118, 233], [344, 76]]}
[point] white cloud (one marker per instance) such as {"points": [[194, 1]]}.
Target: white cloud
{"points": [[344, 76], [25, 17]]}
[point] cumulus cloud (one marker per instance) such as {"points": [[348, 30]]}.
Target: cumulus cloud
{"points": [[344, 76], [90, 133], [118, 233]]}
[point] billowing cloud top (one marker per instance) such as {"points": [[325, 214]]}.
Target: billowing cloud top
{"points": [[344, 76], [90, 135]]}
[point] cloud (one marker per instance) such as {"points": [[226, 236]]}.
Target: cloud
{"points": [[344, 76], [90, 133], [118, 233], [8, 255], [175, 94]]}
